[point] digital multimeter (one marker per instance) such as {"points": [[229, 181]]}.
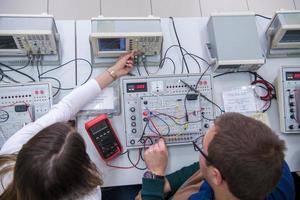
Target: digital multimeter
{"points": [[104, 137]]}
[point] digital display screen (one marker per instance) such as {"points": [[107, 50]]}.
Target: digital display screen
{"points": [[291, 76], [7, 42], [291, 36], [100, 126], [136, 87], [112, 44]]}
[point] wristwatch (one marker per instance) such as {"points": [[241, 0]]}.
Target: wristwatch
{"points": [[150, 175]]}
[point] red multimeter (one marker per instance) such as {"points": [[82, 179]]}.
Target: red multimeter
{"points": [[104, 137]]}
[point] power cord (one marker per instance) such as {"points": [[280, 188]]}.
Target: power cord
{"points": [[175, 31], [19, 72]]}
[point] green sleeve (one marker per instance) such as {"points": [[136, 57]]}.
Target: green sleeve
{"points": [[176, 179], [153, 189]]}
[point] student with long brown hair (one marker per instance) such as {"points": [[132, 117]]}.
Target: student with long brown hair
{"points": [[47, 159]]}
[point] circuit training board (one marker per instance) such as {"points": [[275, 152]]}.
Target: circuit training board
{"points": [[21, 104], [158, 106]]}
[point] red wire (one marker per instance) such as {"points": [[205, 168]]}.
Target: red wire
{"points": [[269, 88], [154, 126], [8, 105], [120, 167], [17, 103]]}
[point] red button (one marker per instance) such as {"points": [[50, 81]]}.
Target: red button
{"points": [[42, 91], [145, 113]]}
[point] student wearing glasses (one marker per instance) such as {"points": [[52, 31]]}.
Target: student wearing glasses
{"points": [[240, 158]]}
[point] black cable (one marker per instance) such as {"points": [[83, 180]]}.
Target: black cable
{"points": [[258, 15], [207, 118], [200, 58], [38, 71], [271, 92], [168, 58], [138, 69], [175, 31], [207, 99], [185, 108], [32, 79], [142, 157], [145, 67], [196, 86], [71, 88], [143, 133], [162, 62], [270, 102], [125, 152], [198, 64], [59, 84], [133, 164], [255, 74], [90, 64], [26, 65], [6, 76], [193, 89]]}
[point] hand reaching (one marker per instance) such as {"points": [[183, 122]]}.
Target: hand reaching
{"points": [[124, 64], [156, 158]]}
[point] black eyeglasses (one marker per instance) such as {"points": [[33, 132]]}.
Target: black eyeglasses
{"points": [[197, 148]]}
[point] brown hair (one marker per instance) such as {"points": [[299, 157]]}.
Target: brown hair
{"points": [[52, 165], [248, 154]]}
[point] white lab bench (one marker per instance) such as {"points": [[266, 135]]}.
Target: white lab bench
{"points": [[193, 36]]}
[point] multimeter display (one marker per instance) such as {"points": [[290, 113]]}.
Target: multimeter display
{"points": [[98, 127], [104, 137]]}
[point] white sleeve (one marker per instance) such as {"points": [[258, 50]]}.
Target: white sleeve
{"points": [[61, 112]]}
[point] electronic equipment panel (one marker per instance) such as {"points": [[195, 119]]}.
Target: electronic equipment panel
{"points": [[229, 36], [283, 34], [22, 36], [112, 37], [288, 98], [158, 106], [21, 104]]}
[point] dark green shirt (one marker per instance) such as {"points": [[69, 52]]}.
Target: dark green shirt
{"points": [[153, 189]]}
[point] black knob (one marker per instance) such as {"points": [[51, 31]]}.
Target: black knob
{"points": [[132, 141], [206, 125], [291, 96], [291, 127], [292, 104], [298, 126], [292, 116], [145, 119], [133, 124], [132, 117], [133, 130], [292, 110], [132, 109], [145, 102]]}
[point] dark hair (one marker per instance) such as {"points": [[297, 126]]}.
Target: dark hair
{"points": [[248, 154], [53, 165]]}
